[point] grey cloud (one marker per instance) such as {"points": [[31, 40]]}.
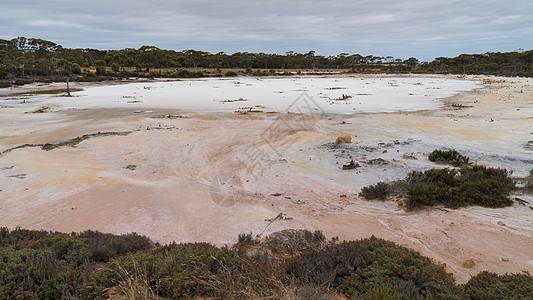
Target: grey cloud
{"points": [[424, 29]]}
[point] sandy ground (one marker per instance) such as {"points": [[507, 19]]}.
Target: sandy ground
{"points": [[191, 175]]}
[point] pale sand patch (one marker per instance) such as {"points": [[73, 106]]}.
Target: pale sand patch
{"points": [[167, 194]]}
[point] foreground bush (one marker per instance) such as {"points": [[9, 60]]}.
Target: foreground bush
{"points": [[372, 268], [487, 285], [451, 157], [295, 264], [181, 271]]}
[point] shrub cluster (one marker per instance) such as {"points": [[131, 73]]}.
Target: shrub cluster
{"points": [[469, 185], [51, 265], [295, 241], [371, 267], [381, 190], [472, 185], [451, 157], [487, 285]]}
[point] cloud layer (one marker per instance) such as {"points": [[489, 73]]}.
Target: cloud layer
{"points": [[420, 28]]}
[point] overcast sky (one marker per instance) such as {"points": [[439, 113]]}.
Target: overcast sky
{"points": [[424, 29]]}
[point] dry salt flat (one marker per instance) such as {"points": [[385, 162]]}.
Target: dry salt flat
{"points": [[149, 153], [332, 95]]}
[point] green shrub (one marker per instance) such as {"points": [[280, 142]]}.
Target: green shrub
{"points": [[104, 246], [245, 239], [4, 72], [291, 241], [100, 70], [371, 267], [100, 63], [487, 285], [451, 157], [299, 264], [230, 74], [184, 73], [22, 82], [471, 185], [186, 271], [25, 273], [378, 191], [5, 84], [16, 236], [75, 68]]}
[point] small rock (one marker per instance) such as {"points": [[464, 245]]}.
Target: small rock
{"points": [[130, 167], [345, 138], [501, 223], [342, 196], [275, 194], [400, 202], [505, 258], [469, 263]]}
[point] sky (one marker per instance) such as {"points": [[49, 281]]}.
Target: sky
{"points": [[424, 29]]}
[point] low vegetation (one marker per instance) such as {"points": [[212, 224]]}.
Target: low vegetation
{"points": [[451, 157], [291, 264], [452, 188], [380, 190], [472, 185]]}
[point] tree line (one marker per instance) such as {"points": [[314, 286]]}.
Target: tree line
{"points": [[31, 57]]}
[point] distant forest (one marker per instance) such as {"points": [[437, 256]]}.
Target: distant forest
{"points": [[23, 59]]}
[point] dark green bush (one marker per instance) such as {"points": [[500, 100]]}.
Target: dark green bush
{"points": [[378, 191], [104, 246], [371, 267], [75, 68], [471, 185], [487, 285], [230, 74], [4, 72], [26, 273], [451, 157], [292, 241], [184, 73], [186, 271], [5, 84], [16, 236], [100, 70], [22, 82], [51, 265], [245, 238]]}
